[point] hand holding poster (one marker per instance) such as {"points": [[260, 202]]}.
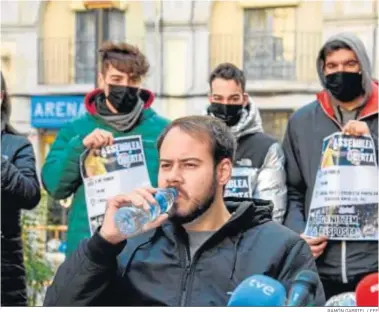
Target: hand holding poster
{"points": [[112, 170], [344, 203]]}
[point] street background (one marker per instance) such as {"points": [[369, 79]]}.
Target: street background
{"points": [[48, 57]]}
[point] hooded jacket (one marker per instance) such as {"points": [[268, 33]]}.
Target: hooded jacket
{"points": [[20, 189], [260, 157], [155, 269], [61, 172], [307, 127]]}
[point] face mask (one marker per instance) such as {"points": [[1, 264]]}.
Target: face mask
{"points": [[230, 114], [345, 86], [123, 98]]}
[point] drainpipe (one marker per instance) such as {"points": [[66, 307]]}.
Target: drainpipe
{"points": [[192, 18], [161, 50], [99, 37]]}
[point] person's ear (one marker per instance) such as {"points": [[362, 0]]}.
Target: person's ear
{"points": [[224, 171], [101, 81], [245, 98], [210, 98]]}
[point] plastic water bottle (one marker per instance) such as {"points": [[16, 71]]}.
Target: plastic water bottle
{"points": [[130, 220]]}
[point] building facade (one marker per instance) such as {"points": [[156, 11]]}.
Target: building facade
{"points": [[48, 53]]}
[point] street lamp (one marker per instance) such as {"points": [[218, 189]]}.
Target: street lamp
{"points": [[98, 8]]}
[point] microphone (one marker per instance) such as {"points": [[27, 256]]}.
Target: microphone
{"points": [[303, 289], [346, 299], [367, 291], [258, 291]]}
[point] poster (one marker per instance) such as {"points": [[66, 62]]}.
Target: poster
{"points": [[112, 170], [240, 184], [344, 203]]}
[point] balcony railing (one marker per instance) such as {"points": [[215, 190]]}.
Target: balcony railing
{"points": [[55, 61], [286, 56], [63, 61], [283, 56]]}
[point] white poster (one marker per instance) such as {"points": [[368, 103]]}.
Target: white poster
{"points": [[110, 171], [344, 203], [240, 184]]}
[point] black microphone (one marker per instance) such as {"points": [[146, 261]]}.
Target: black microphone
{"points": [[303, 289]]}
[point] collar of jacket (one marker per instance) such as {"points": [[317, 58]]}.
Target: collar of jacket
{"points": [[89, 100], [245, 215], [371, 107]]}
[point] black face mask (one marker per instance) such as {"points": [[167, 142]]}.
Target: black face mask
{"points": [[123, 98], [345, 86], [230, 114]]}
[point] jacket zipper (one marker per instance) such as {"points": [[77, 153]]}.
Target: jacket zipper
{"points": [[187, 279], [343, 262], [184, 286], [332, 118], [359, 118]]}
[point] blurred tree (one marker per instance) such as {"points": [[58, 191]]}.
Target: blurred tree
{"points": [[38, 270]]}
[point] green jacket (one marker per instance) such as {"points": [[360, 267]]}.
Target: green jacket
{"points": [[61, 172]]}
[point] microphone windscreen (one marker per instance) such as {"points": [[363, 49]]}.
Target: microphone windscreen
{"points": [[303, 289], [346, 299], [367, 291], [258, 291]]}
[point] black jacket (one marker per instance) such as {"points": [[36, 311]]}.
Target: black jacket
{"points": [[262, 156], [19, 189], [154, 268], [302, 146], [259, 162]]}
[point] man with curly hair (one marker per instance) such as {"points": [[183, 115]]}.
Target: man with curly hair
{"points": [[119, 107]]}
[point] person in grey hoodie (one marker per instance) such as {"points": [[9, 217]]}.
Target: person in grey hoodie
{"points": [[258, 170], [349, 103]]}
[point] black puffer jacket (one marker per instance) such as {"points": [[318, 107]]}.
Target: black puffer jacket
{"points": [[154, 268], [19, 189]]}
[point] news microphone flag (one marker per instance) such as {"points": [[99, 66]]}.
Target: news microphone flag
{"points": [[258, 291], [303, 289], [367, 291]]}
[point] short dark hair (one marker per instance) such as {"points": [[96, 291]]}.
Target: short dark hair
{"points": [[332, 46], [228, 71], [125, 58], [222, 142]]}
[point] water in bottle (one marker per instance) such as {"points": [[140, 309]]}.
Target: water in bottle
{"points": [[130, 220]]}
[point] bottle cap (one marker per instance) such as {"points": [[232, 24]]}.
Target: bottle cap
{"points": [[172, 190], [162, 198]]}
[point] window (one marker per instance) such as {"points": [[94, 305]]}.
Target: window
{"points": [[9, 12], [275, 122], [269, 43], [85, 47], [329, 7], [114, 25], [85, 43]]}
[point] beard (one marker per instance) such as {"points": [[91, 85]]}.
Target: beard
{"points": [[196, 207]]}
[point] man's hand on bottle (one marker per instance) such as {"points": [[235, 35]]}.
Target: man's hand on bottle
{"points": [[317, 244], [140, 198]]}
